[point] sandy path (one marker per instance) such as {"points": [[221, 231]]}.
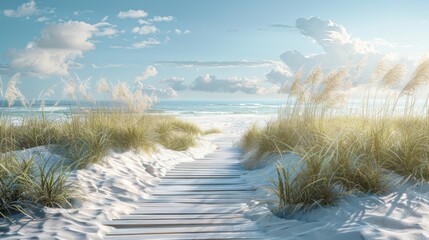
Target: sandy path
{"points": [[204, 199]]}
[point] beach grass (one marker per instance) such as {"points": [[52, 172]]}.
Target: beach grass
{"points": [[342, 149], [211, 131], [83, 140], [76, 141]]}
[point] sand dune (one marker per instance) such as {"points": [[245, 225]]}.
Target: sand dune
{"points": [[112, 188], [109, 189]]}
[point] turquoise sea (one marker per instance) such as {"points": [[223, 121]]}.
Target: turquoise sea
{"points": [[170, 106], [164, 106], [217, 106]]}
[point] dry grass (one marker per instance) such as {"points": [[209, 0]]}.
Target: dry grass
{"points": [[211, 131], [343, 152], [82, 139]]}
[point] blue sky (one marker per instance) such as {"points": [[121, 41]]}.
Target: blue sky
{"points": [[201, 49]]}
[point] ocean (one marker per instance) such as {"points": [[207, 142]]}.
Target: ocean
{"points": [[163, 106], [217, 107], [186, 107]]}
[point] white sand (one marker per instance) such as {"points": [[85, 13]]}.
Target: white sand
{"points": [[113, 186], [109, 189], [402, 213]]}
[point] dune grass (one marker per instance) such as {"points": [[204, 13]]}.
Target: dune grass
{"points": [[83, 139], [76, 141], [211, 131], [25, 183], [342, 149]]}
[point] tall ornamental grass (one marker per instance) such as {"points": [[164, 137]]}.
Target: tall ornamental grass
{"points": [[81, 139], [344, 148]]}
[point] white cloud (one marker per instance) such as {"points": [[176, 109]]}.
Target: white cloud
{"points": [[107, 32], [159, 92], [70, 35], [146, 43], [383, 43], [110, 65], [54, 53], [104, 28], [132, 14], [177, 83], [146, 29], [279, 74], [161, 19], [340, 48], [24, 10], [143, 22], [150, 71], [209, 83], [179, 32], [80, 12], [218, 64], [42, 19]]}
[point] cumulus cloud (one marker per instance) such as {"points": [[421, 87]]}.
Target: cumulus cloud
{"points": [[340, 48], [209, 83], [150, 71], [177, 83], [143, 22], [110, 65], [54, 53], [180, 32], [80, 12], [146, 29], [279, 74], [146, 43], [42, 19], [218, 64], [105, 29], [132, 14], [24, 10], [159, 92], [161, 19]]}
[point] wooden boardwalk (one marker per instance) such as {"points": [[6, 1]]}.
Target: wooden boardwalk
{"points": [[196, 200]]}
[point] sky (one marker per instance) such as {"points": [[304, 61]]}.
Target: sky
{"points": [[201, 49]]}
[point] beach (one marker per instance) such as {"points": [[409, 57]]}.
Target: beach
{"points": [[113, 187]]}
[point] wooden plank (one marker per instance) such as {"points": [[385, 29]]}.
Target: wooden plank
{"points": [[179, 216], [203, 168], [205, 197], [206, 171], [201, 193], [190, 229], [197, 177], [189, 205], [186, 176], [206, 186], [211, 162], [190, 200], [189, 236], [194, 188], [195, 200], [210, 165], [184, 210], [199, 173], [219, 160], [233, 181], [121, 223], [202, 173]]}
